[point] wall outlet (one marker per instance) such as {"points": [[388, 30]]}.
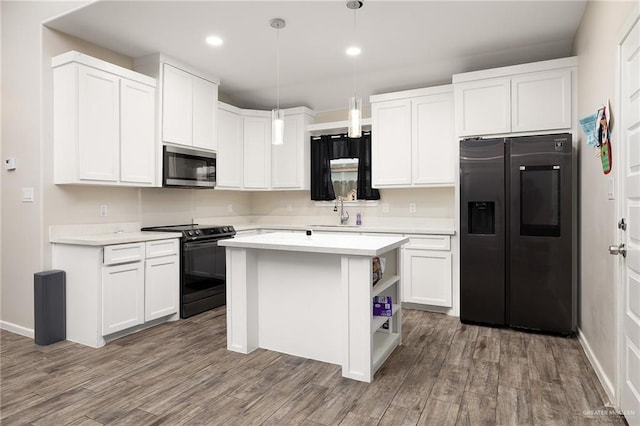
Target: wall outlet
{"points": [[385, 207], [229, 208], [104, 210], [289, 207], [412, 207], [27, 194]]}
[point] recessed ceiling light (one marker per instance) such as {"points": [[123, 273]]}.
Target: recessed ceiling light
{"points": [[353, 51], [214, 41]]}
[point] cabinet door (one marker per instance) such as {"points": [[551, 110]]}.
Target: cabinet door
{"points": [[205, 106], [391, 143], [162, 285], [427, 277], [257, 152], [98, 125], [122, 297], [287, 161], [541, 101], [177, 104], [483, 107], [433, 137], [229, 155], [137, 132]]}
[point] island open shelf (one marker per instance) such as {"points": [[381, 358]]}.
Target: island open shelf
{"points": [[312, 296]]}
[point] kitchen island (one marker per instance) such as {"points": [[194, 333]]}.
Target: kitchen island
{"points": [[311, 296]]}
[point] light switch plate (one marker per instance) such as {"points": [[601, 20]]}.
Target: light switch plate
{"points": [[27, 194], [385, 207], [229, 208], [412, 207], [104, 210], [611, 193], [10, 163]]}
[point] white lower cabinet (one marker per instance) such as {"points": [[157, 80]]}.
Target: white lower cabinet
{"points": [[427, 271], [161, 293], [115, 290], [122, 297]]}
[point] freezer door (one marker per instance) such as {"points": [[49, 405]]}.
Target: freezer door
{"points": [[541, 293], [482, 231]]}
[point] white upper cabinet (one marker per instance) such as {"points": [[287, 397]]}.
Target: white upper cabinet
{"points": [[433, 138], [188, 102], [177, 105], [521, 98], [483, 107], [98, 124], [205, 107], [104, 123], [137, 132], [290, 161], [413, 138], [391, 143], [256, 130], [229, 159], [541, 101]]}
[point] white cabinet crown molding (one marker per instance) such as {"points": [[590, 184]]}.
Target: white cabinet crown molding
{"points": [[512, 70], [413, 93], [154, 59], [81, 58]]}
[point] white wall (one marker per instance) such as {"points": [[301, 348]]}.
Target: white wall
{"points": [[27, 134], [595, 45], [430, 203]]}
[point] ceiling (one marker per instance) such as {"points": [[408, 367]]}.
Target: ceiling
{"points": [[405, 44]]}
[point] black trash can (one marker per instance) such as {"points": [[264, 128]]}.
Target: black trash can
{"points": [[50, 307]]}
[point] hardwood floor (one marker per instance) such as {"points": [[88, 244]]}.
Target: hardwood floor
{"points": [[181, 373]]}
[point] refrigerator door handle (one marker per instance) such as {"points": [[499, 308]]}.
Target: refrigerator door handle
{"points": [[616, 250]]}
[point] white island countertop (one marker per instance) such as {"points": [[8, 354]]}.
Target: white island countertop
{"points": [[348, 244]]}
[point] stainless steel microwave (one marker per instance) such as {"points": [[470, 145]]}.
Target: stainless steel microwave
{"points": [[188, 168]]}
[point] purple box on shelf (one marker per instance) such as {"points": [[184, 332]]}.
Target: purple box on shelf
{"points": [[383, 306]]}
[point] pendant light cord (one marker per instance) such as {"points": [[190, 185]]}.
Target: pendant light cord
{"points": [[355, 33], [278, 68]]}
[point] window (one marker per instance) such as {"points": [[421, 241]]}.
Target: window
{"points": [[344, 176]]}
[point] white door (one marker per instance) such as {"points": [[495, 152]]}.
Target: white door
{"points": [[162, 286], [427, 277], [137, 132], [256, 134], [229, 155], [122, 297], [483, 107], [433, 139], [177, 106], [391, 143], [205, 105], [98, 126], [286, 159], [629, 132]]}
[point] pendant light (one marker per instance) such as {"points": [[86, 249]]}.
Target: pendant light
{"points": [[277, 115], [355, 102]]}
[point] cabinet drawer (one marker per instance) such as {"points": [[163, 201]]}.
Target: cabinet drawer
{"points": [[122, 253], [429, 242], [162, 248]]}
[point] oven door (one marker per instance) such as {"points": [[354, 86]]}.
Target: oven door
{"points": [[204, 271]]}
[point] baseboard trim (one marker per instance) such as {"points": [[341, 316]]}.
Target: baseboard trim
{"points": [[604, 379], [17, 329]]}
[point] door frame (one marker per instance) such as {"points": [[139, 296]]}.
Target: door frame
{"points": [[620, 210]]}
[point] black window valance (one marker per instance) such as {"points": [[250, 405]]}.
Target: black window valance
{"points": [[330, 147]]}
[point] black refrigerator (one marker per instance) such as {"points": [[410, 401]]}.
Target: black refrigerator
{"points": [[517, 233]]}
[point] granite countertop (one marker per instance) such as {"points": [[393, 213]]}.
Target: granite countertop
{"points": [[354, 245]]}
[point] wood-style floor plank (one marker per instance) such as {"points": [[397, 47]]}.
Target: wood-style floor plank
{"points": [[181, 373]]}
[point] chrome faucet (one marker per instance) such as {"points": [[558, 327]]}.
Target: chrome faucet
{"points": [[344, 215]]}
